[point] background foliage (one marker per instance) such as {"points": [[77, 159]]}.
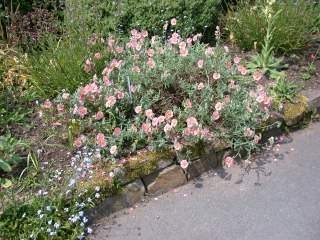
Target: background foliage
{"points": [[293, 27]]}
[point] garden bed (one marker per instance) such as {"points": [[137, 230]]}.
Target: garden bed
{"points": [[140, 115]]}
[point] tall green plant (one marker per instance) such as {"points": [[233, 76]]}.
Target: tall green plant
{"points": [[266, 61]]}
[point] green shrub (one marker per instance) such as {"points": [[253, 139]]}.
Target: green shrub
{"points": [[15, 91], [105, 16], [293, 27], [58, 64]]}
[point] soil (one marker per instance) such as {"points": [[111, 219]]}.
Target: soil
{"points": [[298, 64]]}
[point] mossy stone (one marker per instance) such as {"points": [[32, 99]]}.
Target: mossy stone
{"points": [[295, 111], [147, 162]]}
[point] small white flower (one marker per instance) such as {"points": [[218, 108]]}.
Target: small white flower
{"points": [[48, 208], [89, 230], [56, 225], [85, 220], [81, 213], [97, 188], [41, 216], [66, 209], [97, 195], [49, 222], [39, 212]]}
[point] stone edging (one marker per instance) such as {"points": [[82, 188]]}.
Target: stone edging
{"points": [[171, 176]]}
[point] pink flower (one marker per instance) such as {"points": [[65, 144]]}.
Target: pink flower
{"points": [[79, 141], [188, 103], [218, 106], [184, 52], [229, 161], [242, 70], [111, 101], [114, 150], [161, 119], [215, 115], [155, 122], [47, 104], [232, 84], [120, 95], [134, 32], [136, 69], [150, 52], [209, 51], [236, 60], [216, 76], [200, 63], [98, 55], [132, 88], [82, 111], [267, 101], [99, 115], [184, 164], [60, 107], [144, 34], [257, 75], [192, 122], [200, 86], [257, 139], [151, 63], [119, 49], [146, 127], [177, 146], [149, 113], [189, 41], [187, 131], [101, 140], [167, 128], [168, 114], [106, 81], [117, 132], [110, 42], [182, 45], [260, 98], [138, 109], [248, 132], [174, 123], [173, 21]]}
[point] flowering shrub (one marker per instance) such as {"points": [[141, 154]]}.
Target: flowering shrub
{"points": [[157, 94]]}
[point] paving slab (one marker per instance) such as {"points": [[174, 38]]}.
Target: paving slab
{"points": [[275, 198]]}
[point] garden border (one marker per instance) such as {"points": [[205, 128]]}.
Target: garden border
{"points": [[168, 175]]}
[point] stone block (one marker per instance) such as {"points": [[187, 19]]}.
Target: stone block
{"points": [[204, 164], [163, 181], [131, 194]]}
